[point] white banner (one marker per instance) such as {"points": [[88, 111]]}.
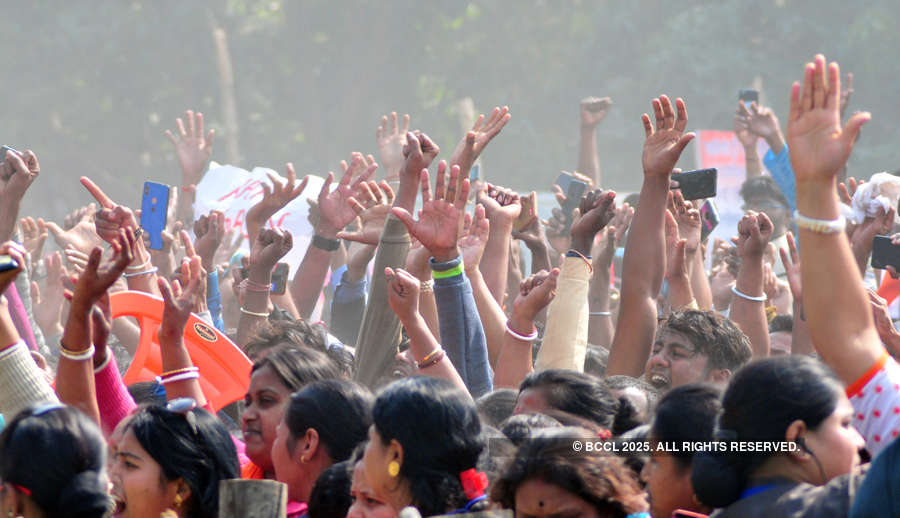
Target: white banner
{"points": [[234, 190]]}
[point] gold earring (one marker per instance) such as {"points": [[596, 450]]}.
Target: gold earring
{"points": [[178, 500], [394, 468], [303, 459]]}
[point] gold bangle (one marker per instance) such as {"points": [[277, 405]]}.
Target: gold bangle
{"points": [[426, 286]]}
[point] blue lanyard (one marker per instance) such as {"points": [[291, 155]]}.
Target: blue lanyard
{"points": [[750, 491]]}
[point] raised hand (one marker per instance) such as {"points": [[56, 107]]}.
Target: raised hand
{"points": [[418, 153], [848, 189], [180, 303], [754, 233], [791, 261], [49, 303], [593, 110], [17, 172], [597, 209], [688, 219], [676, 265], [94, 280], [819, 146], [664, 144], [377, 201], [274, 199], [270, 246], [437, 227], [192, 147], [209, 231], [535, 293], [475, 237], [500, 203], [862, 235], [474, 141], [339, 207], [846, 93], [34, 235], [403, 293], [742, 130], [390, 142], [111, 217]]}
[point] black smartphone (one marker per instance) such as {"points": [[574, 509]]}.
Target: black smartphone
{"points": [[709, 219], [576, 190], [563, 180], [884, 253], [7, 263], [697, 185], [280, 278], [748, 96]]}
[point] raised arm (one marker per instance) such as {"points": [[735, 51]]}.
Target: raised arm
{"points": [[566, 333], [502, 207], [337, 209], [275, 198], [430, 357], [819, 148], [75, 373], [17, 172], [270, 246], [593, 110], [515, 361], [193, 150], [644, 263], [437, 228], [475, 140], [748, 139], [748, 306]]}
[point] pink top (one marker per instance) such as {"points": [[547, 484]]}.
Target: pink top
{"points": [[113, 399]]}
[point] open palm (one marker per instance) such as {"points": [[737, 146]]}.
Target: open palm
{"points": [[819, 146], [665, 143]]}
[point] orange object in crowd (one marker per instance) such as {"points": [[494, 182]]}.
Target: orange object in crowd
{"points": [[224, 369], [890, 288]]}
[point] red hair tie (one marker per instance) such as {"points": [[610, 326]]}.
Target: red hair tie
{"points": [[473, 482], [604, 434]]}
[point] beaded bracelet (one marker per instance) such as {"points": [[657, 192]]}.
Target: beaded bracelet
{"points": [[426, 286], [820, 226]]}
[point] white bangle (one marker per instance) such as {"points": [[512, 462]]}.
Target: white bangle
{"points": [[145, 272], [254, 313], [178, 377], [87, 354], [517, 336], [820, 226], [737, 292], [139, 267], [600, 313]]}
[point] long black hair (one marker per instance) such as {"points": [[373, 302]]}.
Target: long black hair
{"points": [[57, 456], [438, 426], [198, 450], [339, 410], [761, 401], [686, 414]]}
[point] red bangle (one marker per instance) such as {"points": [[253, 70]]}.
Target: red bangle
{"points": [[431, 359]]}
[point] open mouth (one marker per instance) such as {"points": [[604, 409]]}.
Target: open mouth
{"points": [[120, 505], [658, 380]]}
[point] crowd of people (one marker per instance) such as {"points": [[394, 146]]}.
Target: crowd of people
{"points": [[443, 376]]}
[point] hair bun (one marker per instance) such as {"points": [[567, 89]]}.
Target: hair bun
{"points": [[84, 496], [716, 479]]}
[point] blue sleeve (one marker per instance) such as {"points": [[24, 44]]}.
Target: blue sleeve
{"points": [[347, 308], [879, 494], [779, 167], [214, 300], [462, 335]]}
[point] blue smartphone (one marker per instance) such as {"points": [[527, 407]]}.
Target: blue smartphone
{"points": [[154, 212]]}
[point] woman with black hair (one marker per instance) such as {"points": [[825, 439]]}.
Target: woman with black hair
{"points": [[172, 458], [283, 370], [53, 463], [686, 414], [549, 477], [322, 425], [799, 403], [423, 446]]}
